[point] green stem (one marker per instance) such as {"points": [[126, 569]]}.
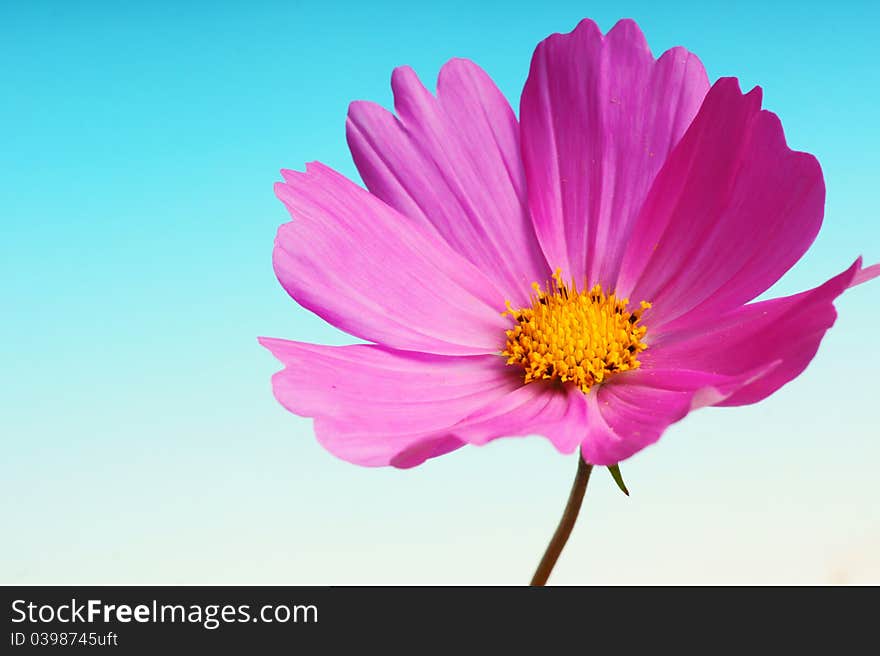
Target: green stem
{"points": [[569, 517]]}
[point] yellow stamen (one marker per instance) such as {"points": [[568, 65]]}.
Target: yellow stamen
{"points": [[566, 335]]}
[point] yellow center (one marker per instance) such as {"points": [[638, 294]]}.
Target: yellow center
{"points": [[567, 335]]}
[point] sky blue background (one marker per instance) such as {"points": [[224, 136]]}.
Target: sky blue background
{"points": [[140, 439]]}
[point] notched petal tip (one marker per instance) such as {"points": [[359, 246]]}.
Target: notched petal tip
{"points": [[730, 85], [865, 274], [624, 30], [299, 184], [274, 345], [586, 28], [288, 174], [294, 177], [628, 31]]}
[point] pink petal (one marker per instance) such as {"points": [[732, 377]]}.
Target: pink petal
{"points": [[634, 410], [784, 330], [599, 117], [452, 161], [866, 274], [375, 406], [362, 266], [730, 212], [557, 413]]}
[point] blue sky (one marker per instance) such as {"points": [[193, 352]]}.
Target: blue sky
{"points": [[141, 440]]}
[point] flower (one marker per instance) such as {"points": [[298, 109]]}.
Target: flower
{"points": [[586, 274]]}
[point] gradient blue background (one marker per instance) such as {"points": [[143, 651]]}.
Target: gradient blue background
{"points": [[140, 439]]}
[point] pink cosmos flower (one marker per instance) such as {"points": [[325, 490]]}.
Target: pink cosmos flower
{"points": [[584, 273]]}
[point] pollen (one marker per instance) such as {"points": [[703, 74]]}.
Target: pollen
{"points": [[571, 336]]}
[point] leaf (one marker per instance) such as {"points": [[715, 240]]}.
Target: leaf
{"points": [[618, 478]]}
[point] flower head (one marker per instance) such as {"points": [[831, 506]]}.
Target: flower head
{"points": [[585, 273], [582, 337]]}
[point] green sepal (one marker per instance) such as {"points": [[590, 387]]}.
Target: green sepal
{"points": [[618, 478]]}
